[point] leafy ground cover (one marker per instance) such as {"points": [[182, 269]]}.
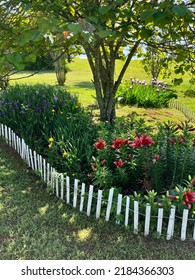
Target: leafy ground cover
{"points": [[34, 225]]}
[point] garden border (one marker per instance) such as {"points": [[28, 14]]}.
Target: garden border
{"points": [[85, 199]]}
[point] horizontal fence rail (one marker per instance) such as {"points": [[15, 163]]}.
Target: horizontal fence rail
{"points": [[183, 108], [113, 207]]}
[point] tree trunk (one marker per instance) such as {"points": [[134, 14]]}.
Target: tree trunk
{"points": [[102, 63]]}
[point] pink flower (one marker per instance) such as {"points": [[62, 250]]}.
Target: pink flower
{"points": [[101, 144], [143, 140], [119, 163]]}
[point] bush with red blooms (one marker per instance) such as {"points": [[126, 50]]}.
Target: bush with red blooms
{"points": [[142, 159]]}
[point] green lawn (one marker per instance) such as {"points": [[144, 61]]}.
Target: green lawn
{"points": [[79, 79], [35, 225]]}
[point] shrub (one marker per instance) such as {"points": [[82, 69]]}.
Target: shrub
{"points": [[140, 94], [39, 113]]}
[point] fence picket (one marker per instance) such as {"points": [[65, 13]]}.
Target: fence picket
{"points": [[171, 222], [184, 224], [99, 204], [89, 200], [44, 170], [109, 204], [147, 220], [119, 207], [62, 186], [82, 197], [35, 160], [194, 232], [160, 221], [67, 189], [57, 184], [127, 211], [76, 182], [136, 216]]}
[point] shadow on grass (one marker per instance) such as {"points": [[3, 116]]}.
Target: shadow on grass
{"points": [[36, 225], [88, 85]]}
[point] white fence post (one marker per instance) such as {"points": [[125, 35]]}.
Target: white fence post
{"points": [[76, 182], [127, 211], [67, 189], [147, 220], [119, 206], [99, 204], [90, 200], [170, 229], [160, 221], [82, 197], [57, 184], [62, 186], [109, 204], [184, 224], [136, 216]]}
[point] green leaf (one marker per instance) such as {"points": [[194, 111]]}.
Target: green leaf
{"points": [[75, 27], [180, 10], [147, 14], [159, 16], [105, 33], [30, 35], [104, 9]]}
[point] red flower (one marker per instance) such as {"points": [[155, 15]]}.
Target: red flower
{"points": [[119, 163], [116, 144], [189, 197], [146, 140], [101, 144], [143, 140], [126, 141]]}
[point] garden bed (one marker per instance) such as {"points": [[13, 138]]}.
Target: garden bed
{"points": [[152, 166]]}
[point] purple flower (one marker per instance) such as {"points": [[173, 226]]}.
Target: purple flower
{"points": [[16, 106], [56, 98]]}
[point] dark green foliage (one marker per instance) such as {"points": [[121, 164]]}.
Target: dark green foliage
{"points": [[39, 113], [142, 95]]}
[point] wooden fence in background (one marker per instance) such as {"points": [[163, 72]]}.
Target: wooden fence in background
{"points": [[113, 207], [183, 108]]}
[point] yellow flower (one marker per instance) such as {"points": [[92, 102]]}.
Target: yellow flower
{"points": [[53, 111], [50, 145], [65, 154], [51, 139]]}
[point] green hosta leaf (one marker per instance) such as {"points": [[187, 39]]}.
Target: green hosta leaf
{"points": [[147, 14]]}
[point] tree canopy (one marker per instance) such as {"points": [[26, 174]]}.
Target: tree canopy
{"points": [[103, 28]]}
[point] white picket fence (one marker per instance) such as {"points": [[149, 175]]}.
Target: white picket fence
{"points": [[183, 108], [92, 202]]}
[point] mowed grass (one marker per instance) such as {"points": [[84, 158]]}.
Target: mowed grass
{"points": [[79, 81], [35, 225]]}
